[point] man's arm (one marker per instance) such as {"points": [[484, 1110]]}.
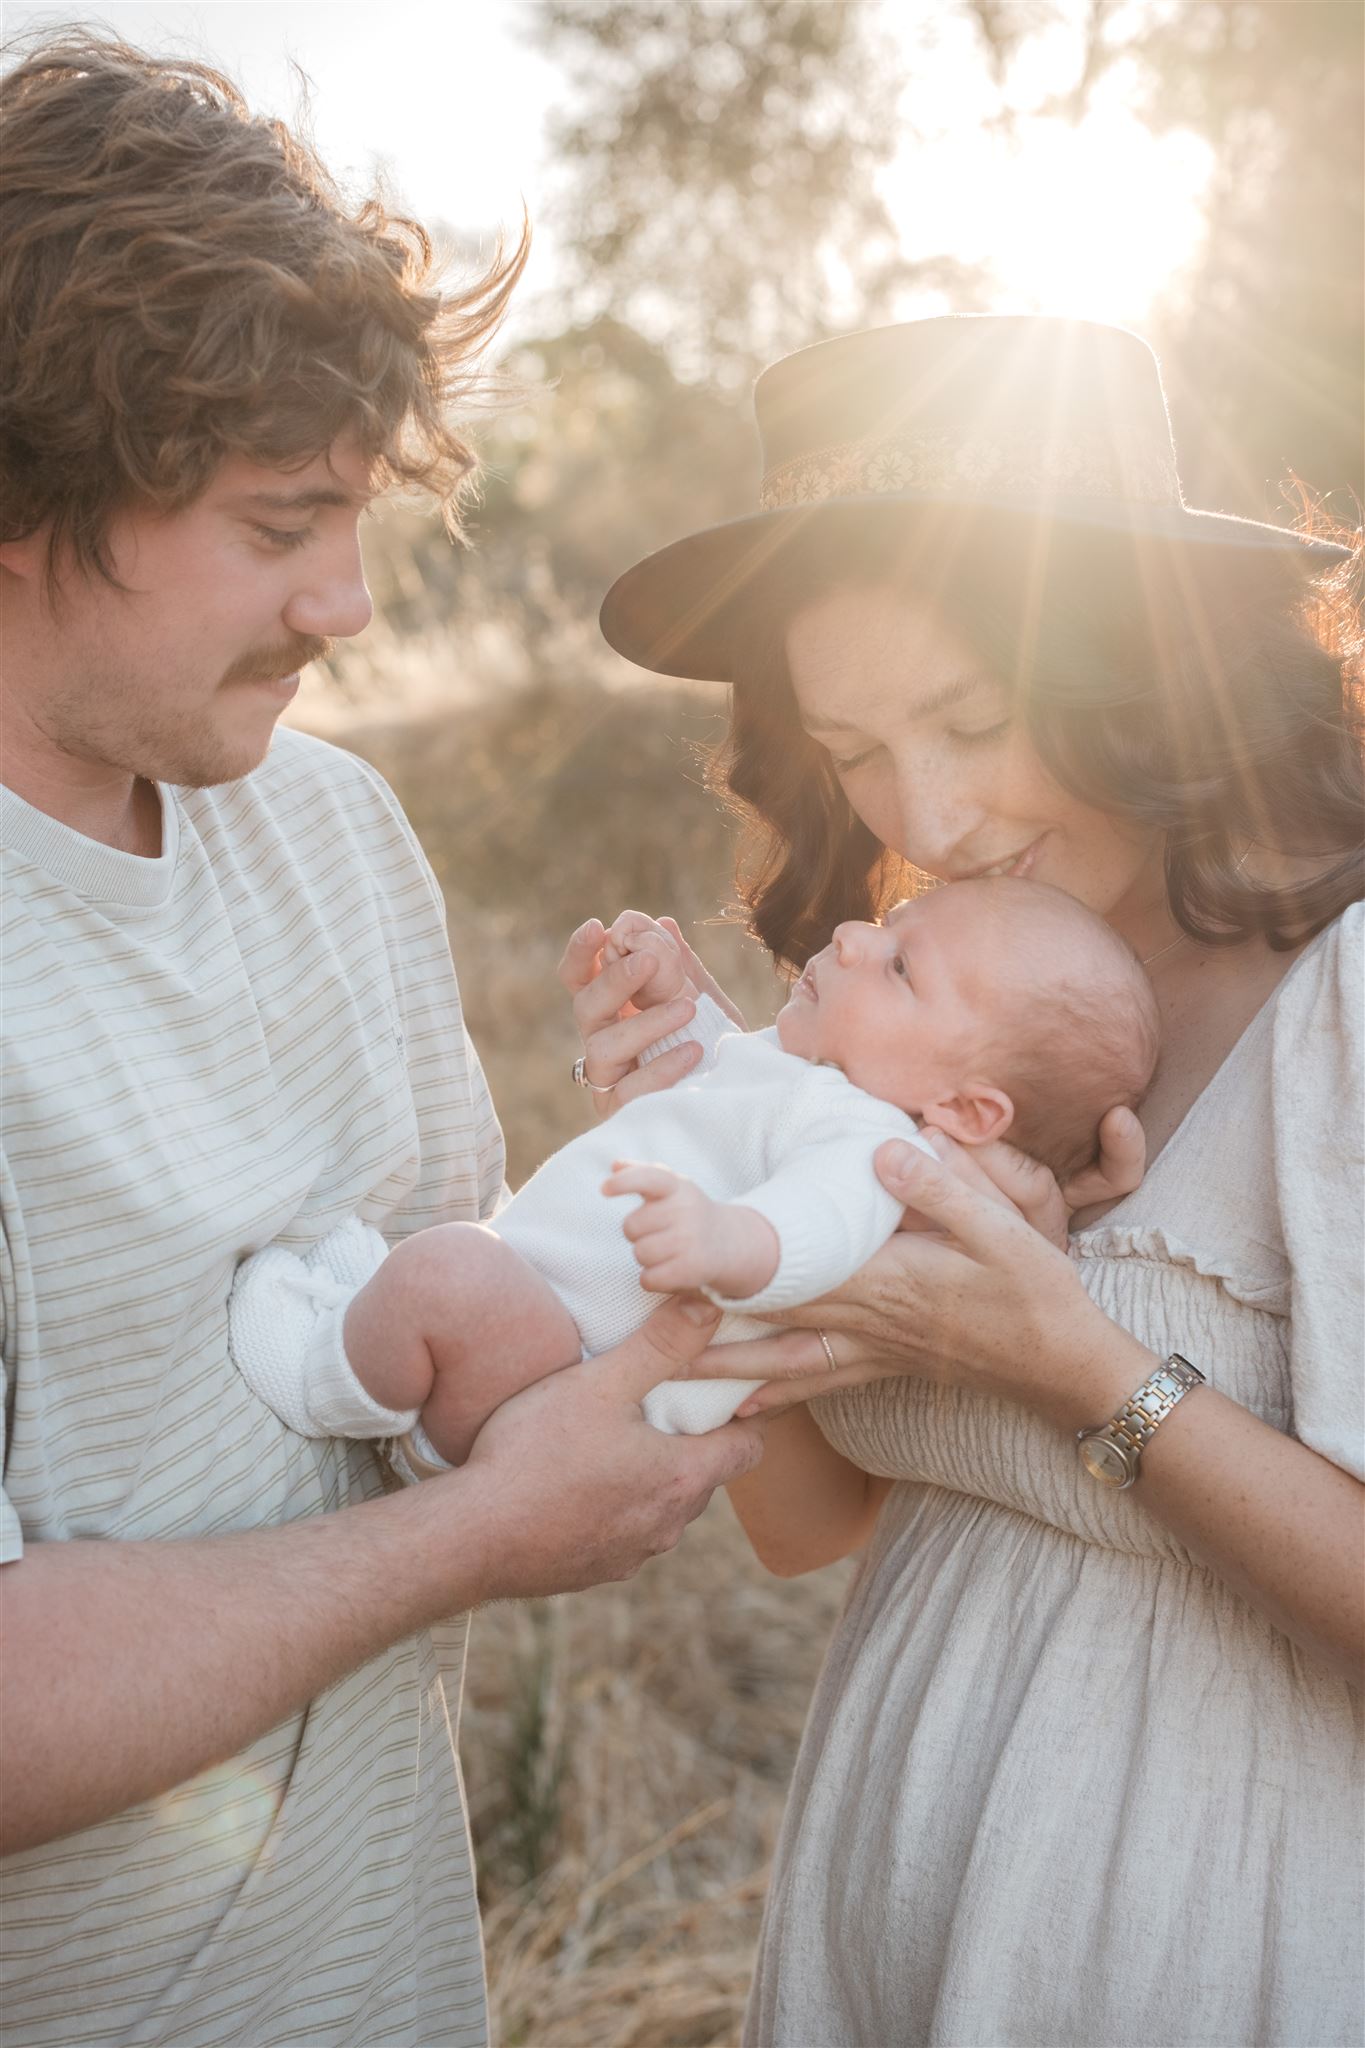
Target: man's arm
{"points": [[130, 1667]]}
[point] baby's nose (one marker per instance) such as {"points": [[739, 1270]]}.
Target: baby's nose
{"points": [[851, 942]]}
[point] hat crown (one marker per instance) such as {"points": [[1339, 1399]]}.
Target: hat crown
{"points": [[1000, 406]]}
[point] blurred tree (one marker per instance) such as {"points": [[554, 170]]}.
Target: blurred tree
{"points": [[1264, 357], [721, 161], [1268, 356]]}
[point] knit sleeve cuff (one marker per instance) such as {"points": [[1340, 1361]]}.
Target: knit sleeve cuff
{"points": [[707, 1028]]}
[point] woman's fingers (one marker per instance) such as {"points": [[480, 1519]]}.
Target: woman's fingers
{"points": [[608, 994], [925, 1184], [1120, 1167], [654, 1076], [579, 964], [612, 1050]]}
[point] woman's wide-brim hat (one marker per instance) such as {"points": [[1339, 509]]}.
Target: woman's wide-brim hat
{"points": [[966, 424]]}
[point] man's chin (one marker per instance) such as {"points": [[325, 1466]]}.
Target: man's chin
{"points": [[206, 767]]}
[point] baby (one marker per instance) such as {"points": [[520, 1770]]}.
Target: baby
{"points": [[991, 1007]]}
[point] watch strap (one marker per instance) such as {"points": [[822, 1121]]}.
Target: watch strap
{"points": [[1143, 1413]]}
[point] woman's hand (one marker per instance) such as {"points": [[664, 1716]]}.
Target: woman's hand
{"points": [[1003, 1173], [981, 1299], [616, 1029]]}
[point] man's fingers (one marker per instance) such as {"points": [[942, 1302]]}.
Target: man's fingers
{"points": [[661, 1349], [723, 1454]]}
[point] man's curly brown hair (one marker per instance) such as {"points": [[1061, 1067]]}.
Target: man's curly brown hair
{"points": [[180, 282]]}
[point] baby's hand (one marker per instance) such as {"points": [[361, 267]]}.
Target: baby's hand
{"points": [[684, 1241], [633, 932]]}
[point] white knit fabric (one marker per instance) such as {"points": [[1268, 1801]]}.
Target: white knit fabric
{"points": [[284, 1332], [755, 1125]]}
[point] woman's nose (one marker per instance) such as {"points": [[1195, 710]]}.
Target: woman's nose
{"points": [[938, 814]]}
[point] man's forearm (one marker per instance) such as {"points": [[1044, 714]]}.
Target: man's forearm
{"points": [[129, 1667]]}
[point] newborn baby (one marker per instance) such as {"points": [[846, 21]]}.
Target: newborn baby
{"points": [[986, 1008]]}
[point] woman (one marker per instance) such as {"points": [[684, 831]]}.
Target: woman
{"points": [[1083, 1763]]}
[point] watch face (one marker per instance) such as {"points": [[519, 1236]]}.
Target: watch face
{"points": [[1104, 1460]]}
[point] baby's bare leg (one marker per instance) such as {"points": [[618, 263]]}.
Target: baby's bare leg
{"points": [[454, 1323]]}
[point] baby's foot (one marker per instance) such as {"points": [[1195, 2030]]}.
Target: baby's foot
{"points": [[285, 1316]]}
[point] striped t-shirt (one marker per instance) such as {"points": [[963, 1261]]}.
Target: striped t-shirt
{"points": [[246, 1039]]}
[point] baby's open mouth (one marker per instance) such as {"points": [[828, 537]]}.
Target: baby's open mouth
{"points": [[806, 985]]}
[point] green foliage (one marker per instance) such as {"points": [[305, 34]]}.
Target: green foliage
{"points": [[722, 159]]}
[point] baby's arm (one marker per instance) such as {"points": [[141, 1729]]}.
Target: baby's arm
{"points": [[684, 1241]]}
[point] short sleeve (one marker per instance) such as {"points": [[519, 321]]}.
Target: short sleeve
{"points": [[1319, 1153], [11, 1534]]}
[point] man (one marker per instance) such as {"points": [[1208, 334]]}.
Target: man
{"points": [[232, 1810]]}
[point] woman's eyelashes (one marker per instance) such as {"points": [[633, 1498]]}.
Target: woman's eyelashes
{"points": [[981, 734], [848, 764]]}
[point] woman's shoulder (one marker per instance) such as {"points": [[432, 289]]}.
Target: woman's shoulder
{"points": [[1318, 1024]]}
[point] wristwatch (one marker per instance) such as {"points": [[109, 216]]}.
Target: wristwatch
{"points": [[1112, 1452]]}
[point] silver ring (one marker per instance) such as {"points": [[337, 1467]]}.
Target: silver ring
{"points": [[580, 1077], [828, 1350]]}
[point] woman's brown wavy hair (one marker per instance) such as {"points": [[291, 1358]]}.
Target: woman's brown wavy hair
{"points": [[180, 282], [1217, 703]]}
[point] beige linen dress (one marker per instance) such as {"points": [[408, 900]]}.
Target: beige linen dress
{"points": [[1061, 1788]]}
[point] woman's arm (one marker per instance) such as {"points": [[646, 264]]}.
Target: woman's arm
{"points": [[993, 1307], [805, 1505]]}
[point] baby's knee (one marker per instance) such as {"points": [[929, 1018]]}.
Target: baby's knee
{"points": [[450, 1266]]}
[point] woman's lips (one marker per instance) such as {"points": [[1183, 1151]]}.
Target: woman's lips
{"points": [[1017, 865]]}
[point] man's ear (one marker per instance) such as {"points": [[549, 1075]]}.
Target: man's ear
{"points": [[27, 557], [974, 1115]]}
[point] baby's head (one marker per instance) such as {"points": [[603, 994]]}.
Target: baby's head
{"points": [[988, 1008]]}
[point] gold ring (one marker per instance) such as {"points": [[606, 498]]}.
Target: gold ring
{"points": [[828, 1350]]}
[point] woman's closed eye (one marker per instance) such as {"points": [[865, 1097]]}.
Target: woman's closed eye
{"points": [[844, 764], [980, 735]]}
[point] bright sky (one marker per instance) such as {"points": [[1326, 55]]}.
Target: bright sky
{"points": [[450, 98]]}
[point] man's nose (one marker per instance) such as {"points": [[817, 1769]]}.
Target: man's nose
{"points": [[334, 603]]}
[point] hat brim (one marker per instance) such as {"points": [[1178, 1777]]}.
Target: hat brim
{"points": [[689, 608]]}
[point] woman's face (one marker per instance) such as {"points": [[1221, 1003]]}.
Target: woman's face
{"points": [[923, 740]]}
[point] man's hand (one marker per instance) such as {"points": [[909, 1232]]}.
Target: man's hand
{"points": [[684, 1240], [573, 1486], [633, 932]]}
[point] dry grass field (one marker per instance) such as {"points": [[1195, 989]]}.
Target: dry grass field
{"points": [[626, 1750]]}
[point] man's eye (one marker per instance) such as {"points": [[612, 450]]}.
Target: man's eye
{"points": [[283, 537]]}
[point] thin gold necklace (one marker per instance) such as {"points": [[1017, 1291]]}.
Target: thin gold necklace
{"points": [[1181, 937]]}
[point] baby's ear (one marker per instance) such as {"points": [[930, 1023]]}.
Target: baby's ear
{"points": [[974, 1115]]}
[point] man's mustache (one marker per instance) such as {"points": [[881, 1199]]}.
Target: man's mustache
{"points": [[273, 664]]}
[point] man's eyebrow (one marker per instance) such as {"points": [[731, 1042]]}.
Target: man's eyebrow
{"points": [[300, 501], [941, 699]]}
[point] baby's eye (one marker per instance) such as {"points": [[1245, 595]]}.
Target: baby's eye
{"points": [[898, 966]]}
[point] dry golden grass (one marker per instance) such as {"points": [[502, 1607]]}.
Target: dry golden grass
{"points": [[626, 1750]]}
